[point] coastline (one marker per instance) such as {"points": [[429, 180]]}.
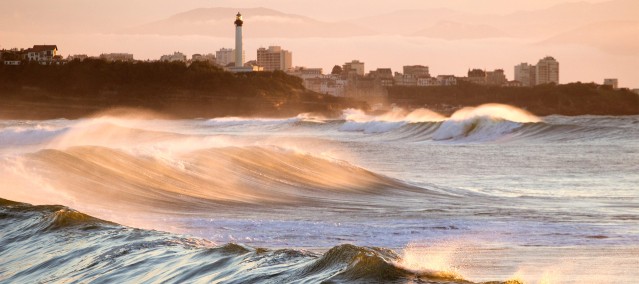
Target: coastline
{"points": [[80, 89]]}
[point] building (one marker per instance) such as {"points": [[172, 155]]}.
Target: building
{"points": [[42, 52], [210, 58], [496, 77], [12, 56], [175, 57], [239, 58], [327, 84], [110, 57], [354, 67], [526, 74], [80, 57], [405, 79], [613, 82], [513, 83], [482, 77], [224, 56], [547, 71], [305, 73], [427, 82], [274, 58], [416, 70], [233, 60], [384, 76], [477, 76], [447, 80]]}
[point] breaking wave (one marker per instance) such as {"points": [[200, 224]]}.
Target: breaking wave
{"points": [[92, 250], [485, 123], [111, 178]]}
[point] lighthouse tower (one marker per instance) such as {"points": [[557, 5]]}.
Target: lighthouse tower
{"points": [[238, 40]]}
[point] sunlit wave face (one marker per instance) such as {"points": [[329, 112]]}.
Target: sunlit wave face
{"points": [[496, 111]]}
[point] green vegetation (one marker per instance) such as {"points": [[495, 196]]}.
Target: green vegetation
{"points": [[569, 99], [79, 88]]}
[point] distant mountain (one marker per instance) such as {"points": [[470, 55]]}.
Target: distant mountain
{"points": [[259, 22], [406, 22], [454, 31], [563, 23], [616, 37], [538, 24], [563, 18]]}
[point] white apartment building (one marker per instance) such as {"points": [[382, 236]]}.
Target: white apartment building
{"points": [[547, 71], [42, 52]]}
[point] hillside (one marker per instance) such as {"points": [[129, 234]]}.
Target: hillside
{"points": [[77, 89], [568, 99]]}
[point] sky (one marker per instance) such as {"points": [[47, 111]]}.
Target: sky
{"points": [[107, 15], [93, 27]]}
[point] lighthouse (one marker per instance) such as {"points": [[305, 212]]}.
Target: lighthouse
{"points": [[238, 40]]}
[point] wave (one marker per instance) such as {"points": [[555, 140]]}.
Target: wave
{"points": [[486, 123], [110, 178], [87, 249], [19, 136]]}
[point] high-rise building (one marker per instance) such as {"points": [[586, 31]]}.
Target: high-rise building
{"points": [[274, 58], [547, 71], [526, 74]]}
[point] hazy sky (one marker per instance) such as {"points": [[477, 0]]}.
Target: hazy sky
{"points": [[92, 27], [73, 14]]}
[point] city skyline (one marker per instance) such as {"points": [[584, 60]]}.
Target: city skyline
{"points": [[443, 55]]}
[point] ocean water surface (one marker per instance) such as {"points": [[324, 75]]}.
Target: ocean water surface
{"points": [[491, 193]]}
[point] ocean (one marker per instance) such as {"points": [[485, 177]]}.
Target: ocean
{"points": [[491, 193]]}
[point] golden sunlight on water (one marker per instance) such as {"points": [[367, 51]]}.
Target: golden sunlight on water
{"points": [[499, 111], [439, 260]]}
